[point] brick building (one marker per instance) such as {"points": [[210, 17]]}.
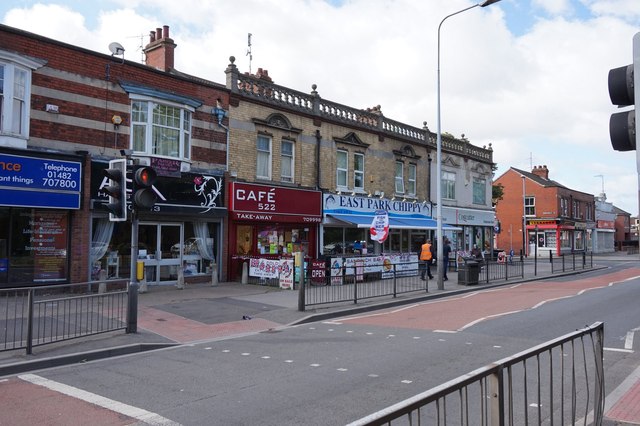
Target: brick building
{"points": [[556, 219], [67, 111], [304, 149]]}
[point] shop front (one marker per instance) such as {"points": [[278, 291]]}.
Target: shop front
{"points": [[474, 229], [182, 232], [271, 223], [38, 194], [558, 237], [347, 220]]}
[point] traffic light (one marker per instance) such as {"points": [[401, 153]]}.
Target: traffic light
{"points": [[117, 190], [144, 195], [624, 90]]}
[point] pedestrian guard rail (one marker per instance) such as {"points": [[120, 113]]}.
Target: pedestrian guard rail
{"points": [[557, 382], [34, 316]]}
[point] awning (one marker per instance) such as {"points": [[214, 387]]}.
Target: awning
{"points": [[394, 222]]}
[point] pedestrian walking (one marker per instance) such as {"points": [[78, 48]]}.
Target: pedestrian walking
{"points": [[446, 250], [425, 258]]}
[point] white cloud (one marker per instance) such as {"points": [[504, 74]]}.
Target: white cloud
{"points": [[539, 97]]}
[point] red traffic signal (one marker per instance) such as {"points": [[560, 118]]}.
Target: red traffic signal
{"points": [[144, 195]]}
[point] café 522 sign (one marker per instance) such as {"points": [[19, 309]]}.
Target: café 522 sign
{"points": [[264, 202]]}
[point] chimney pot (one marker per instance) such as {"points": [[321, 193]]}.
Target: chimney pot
{"points": [[152, 36], [166, 31], [159, 33]]}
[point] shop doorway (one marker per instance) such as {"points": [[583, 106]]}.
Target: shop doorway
{"points": [[155, 243]]}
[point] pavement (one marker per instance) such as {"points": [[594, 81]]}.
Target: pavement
{"points": [[202, 312]]}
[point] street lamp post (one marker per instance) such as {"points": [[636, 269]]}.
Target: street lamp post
{"points": [[524, 218], [439, 240]]}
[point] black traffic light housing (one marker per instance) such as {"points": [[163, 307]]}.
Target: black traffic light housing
{"points": [[624, 86], [117, 190], [144, 195]]}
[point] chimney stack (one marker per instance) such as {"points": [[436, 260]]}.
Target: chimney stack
{"points": [[541, 171], [160, 50]]}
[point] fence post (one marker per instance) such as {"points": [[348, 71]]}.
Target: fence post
{"points": [[562, 262], [132, 308], [30, 322], [355, 285], [598, 407], [496, 398], [395, 288], [301, 292]]}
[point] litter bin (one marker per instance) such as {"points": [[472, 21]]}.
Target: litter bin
{"points": [[469, 272]]}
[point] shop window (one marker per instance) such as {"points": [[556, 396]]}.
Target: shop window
{"points": [[479, 191], [263, 167], [161, 129], [286, 161], [342, 169], [358, 172], [279, 240], [411, 180], [333, 241], [448, 186], [36, 246], [399, 177]]}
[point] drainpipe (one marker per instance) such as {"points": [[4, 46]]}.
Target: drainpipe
{"points": [[220, 114], [318, 139]]}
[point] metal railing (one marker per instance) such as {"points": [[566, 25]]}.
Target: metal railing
{"points": [[492, 270], [354, 283], [34, 316], [570, 262], [557, 382]]}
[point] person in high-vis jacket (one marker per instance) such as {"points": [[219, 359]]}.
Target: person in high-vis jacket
{"points": [[425, 258]]}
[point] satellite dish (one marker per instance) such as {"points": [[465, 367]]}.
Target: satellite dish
{"points": [[116, 48]]}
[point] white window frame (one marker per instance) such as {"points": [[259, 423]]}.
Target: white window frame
{"points": [[479, 191], [448, 185], [411, 180], [265, 153], [530, 206], [287, 158], [358, 172], [399, 177], [13, 63], [342, 173], [148, 125]]}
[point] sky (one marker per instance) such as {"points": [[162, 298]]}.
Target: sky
{"points": [[528, 77]]}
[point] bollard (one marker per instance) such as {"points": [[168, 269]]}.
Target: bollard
{"points": [[214, 274], [102, 285], [180, 283], [245, 273]]}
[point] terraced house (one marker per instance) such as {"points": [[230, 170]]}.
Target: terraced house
{"points": [[248, 169], [308, 174], [68, 111]]}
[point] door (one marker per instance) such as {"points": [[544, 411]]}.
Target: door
{"points": [[155, 241]]}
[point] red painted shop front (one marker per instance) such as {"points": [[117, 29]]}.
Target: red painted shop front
{"points": [[271, 222]]}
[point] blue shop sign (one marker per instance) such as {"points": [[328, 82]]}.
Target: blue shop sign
{"points": [[39, 182]]}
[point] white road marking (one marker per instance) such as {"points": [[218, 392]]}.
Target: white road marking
{"points": [[628, 342], [628, 351], [128, 410]]}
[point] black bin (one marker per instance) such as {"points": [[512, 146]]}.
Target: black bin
{"points": [[469, 272]]}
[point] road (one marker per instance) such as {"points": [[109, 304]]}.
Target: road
{"points": [[333, 372]]}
